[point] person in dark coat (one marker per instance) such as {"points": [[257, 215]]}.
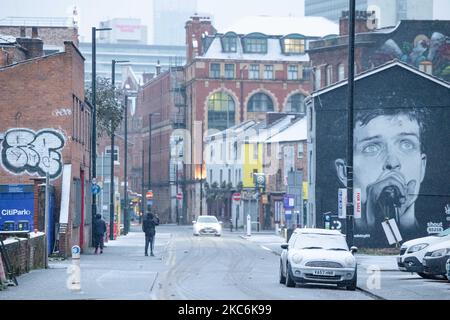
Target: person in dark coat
{"points": [[148, 226], [99, 232]]}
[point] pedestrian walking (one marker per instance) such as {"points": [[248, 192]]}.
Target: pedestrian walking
{"points": [[148, 226], [99, 232]]}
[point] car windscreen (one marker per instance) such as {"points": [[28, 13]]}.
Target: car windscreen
{"points": [[207, 219], [320, 241], [444, 233]]}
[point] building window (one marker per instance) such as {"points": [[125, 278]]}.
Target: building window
{"points": [[229, 42], [317, 78], [255, 151], [268, 72], [254, 71], [229, 175], [221, 111], [229, 71], [329, 77], [214, 71], [116, 153], [260, 102], [240, 175], [294, 46], [341, 72], [292, 72], [269, 150], [210, 176], [255, 43], [300, 151], [426, 66], [221, 176], [295, 103]]}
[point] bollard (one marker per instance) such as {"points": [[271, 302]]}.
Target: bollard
{"points": [[277, 230], [249, 225], [74, 271]]}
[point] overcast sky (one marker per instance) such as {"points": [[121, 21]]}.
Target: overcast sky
{"points": [[225, 12]]}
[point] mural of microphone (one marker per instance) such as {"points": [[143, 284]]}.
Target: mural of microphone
{"points": [[390, 200]]}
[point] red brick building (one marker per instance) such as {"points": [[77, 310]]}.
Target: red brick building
{"points": [[45, 129], [421, 43]]}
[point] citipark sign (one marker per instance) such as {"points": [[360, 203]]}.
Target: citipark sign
{"points": [[15, 212]]}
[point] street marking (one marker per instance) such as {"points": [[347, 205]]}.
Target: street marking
{"points": [[265, 248]]}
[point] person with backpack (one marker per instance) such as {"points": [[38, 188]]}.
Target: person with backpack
{"points": [[148, 226]]}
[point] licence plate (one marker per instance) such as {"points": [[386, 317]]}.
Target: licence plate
{"points": [[323, 273]]}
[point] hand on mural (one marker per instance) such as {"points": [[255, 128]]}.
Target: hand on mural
{"points": [[388, 193]]}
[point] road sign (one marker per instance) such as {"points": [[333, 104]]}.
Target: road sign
{"points": [[149, 195], [237, 197], [95, 188], [357, 203], [179, 195], [289, 201], [342, 203]]}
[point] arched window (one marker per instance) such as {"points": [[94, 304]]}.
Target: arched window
{"points": [[295, 103], [260, 102], [221, 111]]}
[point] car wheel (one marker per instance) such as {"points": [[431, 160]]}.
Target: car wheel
{"points": [[289, 279], [352, 286], [196, 234], [282, 278]]}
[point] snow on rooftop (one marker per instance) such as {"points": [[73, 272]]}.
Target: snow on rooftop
{"points": [[308, 26], [5, 39], [273, 53], [296, 132]]}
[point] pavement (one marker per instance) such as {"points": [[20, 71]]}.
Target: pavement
{"points": [[109, 270]]}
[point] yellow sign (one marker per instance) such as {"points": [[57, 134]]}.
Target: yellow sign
{"points": [[305, 190]]}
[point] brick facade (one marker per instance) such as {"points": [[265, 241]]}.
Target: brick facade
{"points": [[48, 93]]}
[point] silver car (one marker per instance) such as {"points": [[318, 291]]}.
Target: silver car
{"points": [[318, 256]]}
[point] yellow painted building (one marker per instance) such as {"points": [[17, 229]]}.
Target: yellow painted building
{"points": [[252, 162]]}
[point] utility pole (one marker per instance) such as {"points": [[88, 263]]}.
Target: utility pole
{"points": [[125, 188], [201, 176], [142, 186], [94, 124], [351, 87]]}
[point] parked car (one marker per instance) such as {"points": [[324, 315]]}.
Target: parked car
{"points": [[412, 252], [435, 260], [318, 256], [207, 225], [447, 266]]}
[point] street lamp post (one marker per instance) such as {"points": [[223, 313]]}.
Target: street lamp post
{"points": [[201, 175], [94, 123], [111, 184], [125, 177]]}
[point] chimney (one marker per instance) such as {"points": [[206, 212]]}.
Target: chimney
{"points": [[34, 32], [194, 30], [158, 68], [365, 21], [34, 47]]}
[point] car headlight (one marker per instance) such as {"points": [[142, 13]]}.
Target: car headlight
{"points": [[439, 253], [418, 247], [297, 258], [349, 262]]}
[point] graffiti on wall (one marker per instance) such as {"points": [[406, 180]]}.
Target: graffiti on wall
{"points": [[35, 153], [433, 51]]}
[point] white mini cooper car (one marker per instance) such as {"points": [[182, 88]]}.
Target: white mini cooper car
{"points": [[318, 256]]}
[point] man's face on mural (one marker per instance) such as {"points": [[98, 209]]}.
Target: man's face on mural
{"points": [[387, 158]]}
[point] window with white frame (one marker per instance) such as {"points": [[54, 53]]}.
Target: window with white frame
{"points": [[329, 75], [292, 72], [214, 71], [268, 72], [341, 72], [254, 71], [317, 78], [300, 151], [116, 153]]}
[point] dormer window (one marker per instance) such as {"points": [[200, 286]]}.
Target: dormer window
{"points": [[293, 44], [255, 43], [229, 42]]}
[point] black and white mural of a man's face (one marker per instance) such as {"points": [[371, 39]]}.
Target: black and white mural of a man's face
{"points": [[389, 166]]}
